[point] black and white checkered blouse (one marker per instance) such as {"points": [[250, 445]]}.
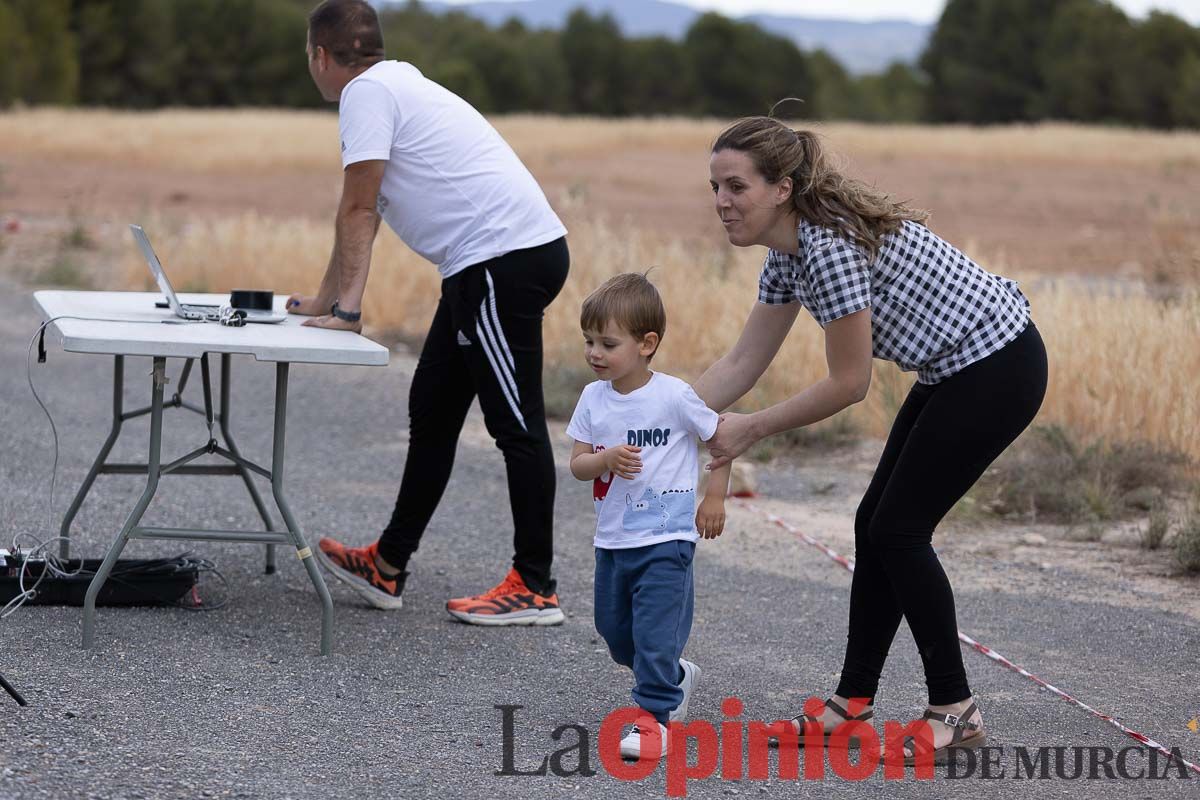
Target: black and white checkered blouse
{"points": [[933, 310]]}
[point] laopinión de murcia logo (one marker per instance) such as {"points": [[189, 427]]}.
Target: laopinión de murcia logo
{"points": [[750, 750]]}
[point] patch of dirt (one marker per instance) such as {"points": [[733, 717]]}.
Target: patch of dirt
{"points": [[37, 189], [1034, 217]]}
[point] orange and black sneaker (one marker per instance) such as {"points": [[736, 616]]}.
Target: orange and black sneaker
{"points": [[355, 567], [510, 603]]}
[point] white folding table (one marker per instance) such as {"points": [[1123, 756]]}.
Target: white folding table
{"points": [[133, 326]]}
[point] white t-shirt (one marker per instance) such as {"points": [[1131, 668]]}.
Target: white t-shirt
{"points": [[664, 417], [453, 190]]}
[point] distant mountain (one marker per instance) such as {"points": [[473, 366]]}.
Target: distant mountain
{"points": [[860, 46], [636, 17]]}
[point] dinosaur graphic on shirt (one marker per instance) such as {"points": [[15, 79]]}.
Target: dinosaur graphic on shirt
{"points": [[671, 510]]}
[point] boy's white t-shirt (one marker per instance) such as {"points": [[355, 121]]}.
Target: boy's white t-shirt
{"points": [[453, 190], [664, 418]]}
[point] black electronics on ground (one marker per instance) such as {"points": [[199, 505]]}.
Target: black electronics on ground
{"points": [[133, 582]]}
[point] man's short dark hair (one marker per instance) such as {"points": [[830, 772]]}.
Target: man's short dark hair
{"points": [[348, 30]]}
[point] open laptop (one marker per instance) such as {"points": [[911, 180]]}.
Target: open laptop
{"points": [[190, 311]]}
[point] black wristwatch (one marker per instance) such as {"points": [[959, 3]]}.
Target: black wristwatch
{"points": [[345, 316]]}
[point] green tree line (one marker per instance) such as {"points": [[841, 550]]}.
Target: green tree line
{"points": [[1082, 60], [987, 61]]}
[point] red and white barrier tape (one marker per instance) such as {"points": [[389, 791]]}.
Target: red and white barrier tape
{"points": [[848, 565]]}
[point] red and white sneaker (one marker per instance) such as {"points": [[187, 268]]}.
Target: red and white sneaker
{"points": [[644, 739], [510, 603], [355, 567]]}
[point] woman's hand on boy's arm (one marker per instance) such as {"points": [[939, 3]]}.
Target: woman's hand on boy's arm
{"points": [[735, 434]]}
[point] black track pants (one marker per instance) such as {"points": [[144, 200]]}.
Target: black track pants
{"points": [[485, 341]]}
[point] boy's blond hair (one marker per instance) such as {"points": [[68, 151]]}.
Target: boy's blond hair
{"points": [[629, 300]]}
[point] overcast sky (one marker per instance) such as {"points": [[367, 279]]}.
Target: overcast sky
{"points": [[916, 10]]}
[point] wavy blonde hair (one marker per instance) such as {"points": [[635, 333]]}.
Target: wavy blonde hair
{"points": [[821, 194]]}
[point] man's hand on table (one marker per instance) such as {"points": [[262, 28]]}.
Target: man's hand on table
{"points": [[308, 305], [333, 323]]}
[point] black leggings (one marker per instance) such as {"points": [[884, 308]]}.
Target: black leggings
{"points": [[485, 340], [944, 437]]}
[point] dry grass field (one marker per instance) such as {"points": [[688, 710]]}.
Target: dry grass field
{"points": [[1101, 225]]}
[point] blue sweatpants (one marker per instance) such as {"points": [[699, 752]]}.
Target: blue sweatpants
{"points": [[644, 605]]}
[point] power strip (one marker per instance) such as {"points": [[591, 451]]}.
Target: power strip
{"points": [[132, 582]]}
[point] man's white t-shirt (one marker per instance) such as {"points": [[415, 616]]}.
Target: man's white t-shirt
{"points": [[664, 418], [453, 190]]}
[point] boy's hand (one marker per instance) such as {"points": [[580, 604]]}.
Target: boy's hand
{"points": [[710, 518], [623, 460]]}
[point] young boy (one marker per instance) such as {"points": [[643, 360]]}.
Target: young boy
{"points": [[635, 436]]}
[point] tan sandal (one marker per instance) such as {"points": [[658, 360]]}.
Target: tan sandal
{"points": [[849, 742], [959, 740]]}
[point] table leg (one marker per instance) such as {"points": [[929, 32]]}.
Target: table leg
{"points": [[302, 548], [156, 408], [226, 407], [64, 547]]}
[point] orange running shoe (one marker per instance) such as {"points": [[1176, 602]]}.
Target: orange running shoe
{"points": [[510, 603], [355, 567]]}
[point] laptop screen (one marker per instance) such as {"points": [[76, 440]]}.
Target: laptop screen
{"points": [[156, 268]]}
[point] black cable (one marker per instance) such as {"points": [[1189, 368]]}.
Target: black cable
{"points": [[8, 687]]}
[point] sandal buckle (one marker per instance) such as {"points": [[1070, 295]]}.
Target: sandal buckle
{"points": [[953, 721]]}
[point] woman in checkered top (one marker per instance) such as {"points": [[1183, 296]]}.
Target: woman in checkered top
{"points": [[881, 285]]}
